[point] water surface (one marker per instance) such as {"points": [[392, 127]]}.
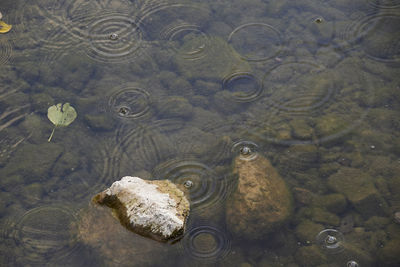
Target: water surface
{"points": [[175, 90]]}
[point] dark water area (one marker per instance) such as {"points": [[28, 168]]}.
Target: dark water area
{"points": [[175, 90]]}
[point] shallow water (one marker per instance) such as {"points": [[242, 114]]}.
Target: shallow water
{"points": [[174, 90]]}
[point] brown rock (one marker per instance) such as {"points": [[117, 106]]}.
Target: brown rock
{"points": [[261, 202], [302, 195], [116, 245]]}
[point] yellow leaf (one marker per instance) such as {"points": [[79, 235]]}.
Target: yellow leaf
{"points": [[4, 27]]}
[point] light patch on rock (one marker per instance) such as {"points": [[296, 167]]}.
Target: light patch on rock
{"points": [[157, 209]]}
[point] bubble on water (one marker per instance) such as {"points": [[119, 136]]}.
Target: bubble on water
{"points": [[318, 20], [207, 189], [114, 38], [129, 102], [246, 150], [330, 240], [352, 264]]}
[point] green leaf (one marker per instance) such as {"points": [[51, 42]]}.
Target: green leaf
{"points": [[61, 115]]}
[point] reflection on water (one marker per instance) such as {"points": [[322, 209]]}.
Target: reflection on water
{"points": [[177, 90]]}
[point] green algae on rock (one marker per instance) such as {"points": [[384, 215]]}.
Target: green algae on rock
{"points": [[261, 203]]}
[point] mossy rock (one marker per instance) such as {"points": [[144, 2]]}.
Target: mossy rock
{"points": [[206, 88], [100, 122], [31, 194], [359, 189], [307, 231], [216, 59], [261, 203], [389, 255], [224, 101], [335, 203], [41, 102], [8, 183], [329, 126], [310, 256], [375, 223], [33, 162], [67, 163], [175, 106], [324, 217], [325, 170], [301, 129], [37, 126]]}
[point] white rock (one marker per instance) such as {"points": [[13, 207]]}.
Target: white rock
{"points": [[157, 209]]}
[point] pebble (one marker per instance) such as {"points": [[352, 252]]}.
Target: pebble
{"points": [[397, 217]]}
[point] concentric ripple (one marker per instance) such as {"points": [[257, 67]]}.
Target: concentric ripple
{"points": [[385, 4], [207, 188], [206, 243], [295, 97], [178, 35], [377, 35], [177, 24], [304, 103], [114, 38], [330, 240], [46, 234], [134, 148], [5, 51], [256, 41], [129, 102], [244, 86], [246, 150], [43, 25]]}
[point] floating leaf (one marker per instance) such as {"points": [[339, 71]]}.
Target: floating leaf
{"points": [[61, 115], [4, 27]]}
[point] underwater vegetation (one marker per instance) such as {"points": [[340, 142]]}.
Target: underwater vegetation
{"points": [[179, 89]]}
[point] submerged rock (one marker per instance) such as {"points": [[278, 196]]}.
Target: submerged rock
{"points": [[116, 245], [360, 190], [209, 59], [156, 209], [261, 202]]}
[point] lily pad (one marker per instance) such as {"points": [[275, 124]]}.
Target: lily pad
{"points": [[61, 115], [4, 27]]}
